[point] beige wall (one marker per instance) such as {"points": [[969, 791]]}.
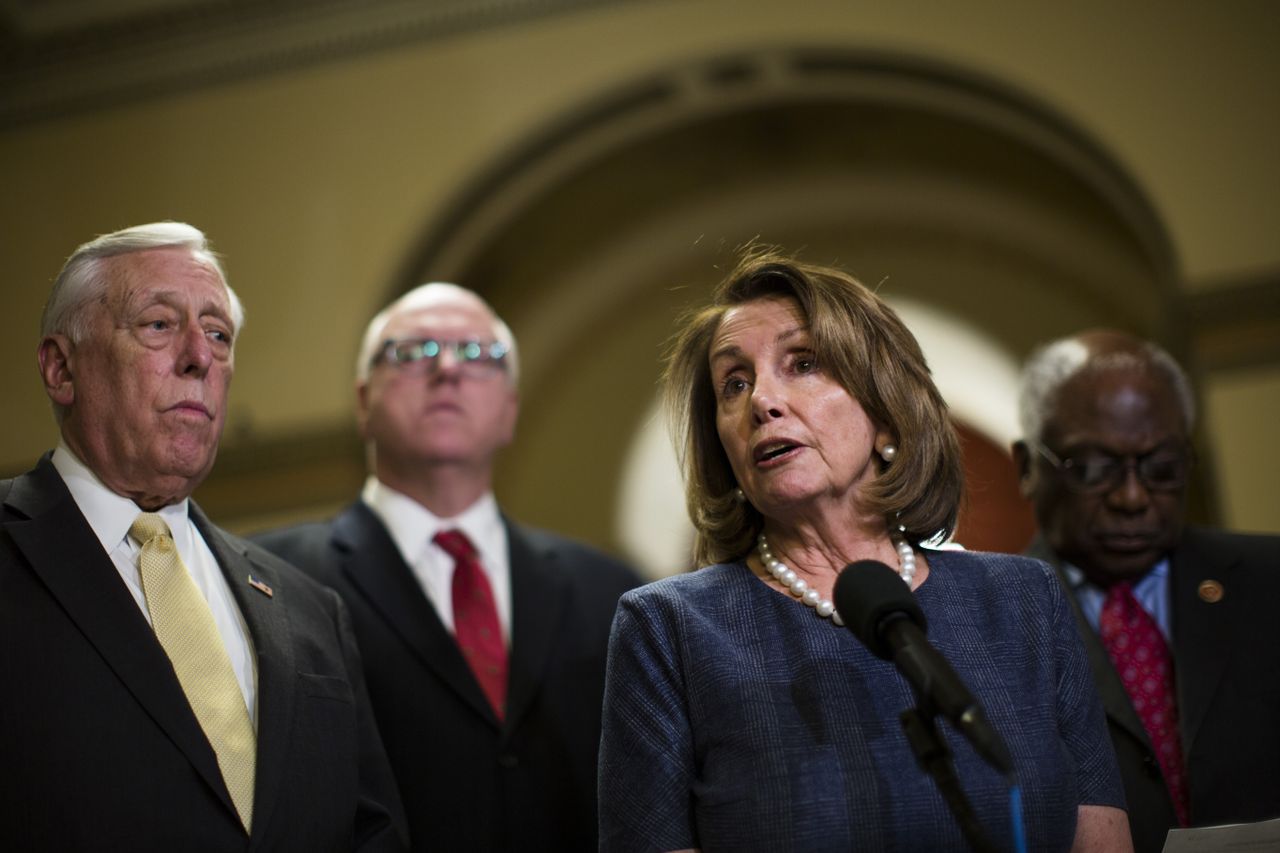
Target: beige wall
{"points": [[316, 183]]}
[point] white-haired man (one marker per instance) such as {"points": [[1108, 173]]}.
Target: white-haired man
{"points": [[168, 686], [1179, 621], [484, 641]]}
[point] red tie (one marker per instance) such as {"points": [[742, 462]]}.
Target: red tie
{"points": [[1141, 657], [475, 619]]}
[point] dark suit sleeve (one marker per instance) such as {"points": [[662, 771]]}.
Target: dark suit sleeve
{"points": [[380, 822]]}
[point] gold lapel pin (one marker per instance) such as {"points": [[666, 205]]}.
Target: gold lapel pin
{"points": [[1210, 591]]}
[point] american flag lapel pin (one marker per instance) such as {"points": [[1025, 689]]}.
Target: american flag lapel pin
{"points": [[260, 586]]}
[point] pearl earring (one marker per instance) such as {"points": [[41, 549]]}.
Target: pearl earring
{"points": [[888, 452], [739, 495]]}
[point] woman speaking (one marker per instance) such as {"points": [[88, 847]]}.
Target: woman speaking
{"points": [[739, 714]]}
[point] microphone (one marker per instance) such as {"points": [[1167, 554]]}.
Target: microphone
{"points": [[881, 612]]}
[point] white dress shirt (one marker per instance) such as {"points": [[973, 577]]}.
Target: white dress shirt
{"points": [[412, 527], [111, 515]]}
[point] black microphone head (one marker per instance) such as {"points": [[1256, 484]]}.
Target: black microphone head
{"points": [[867, 594]]}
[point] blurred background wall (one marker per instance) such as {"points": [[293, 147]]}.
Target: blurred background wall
{"points": [[1003, 172]]}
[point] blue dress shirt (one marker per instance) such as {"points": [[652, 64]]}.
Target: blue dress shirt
{"points": [[1152, 592]]}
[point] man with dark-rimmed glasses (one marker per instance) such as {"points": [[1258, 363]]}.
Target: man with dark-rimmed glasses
{"points": [[1180, 622], [483, 640]]}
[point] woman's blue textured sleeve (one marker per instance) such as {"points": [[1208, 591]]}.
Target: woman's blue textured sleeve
{"points": [[646, 749], [1080, 717]]}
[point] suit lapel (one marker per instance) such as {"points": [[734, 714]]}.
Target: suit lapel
{"points": [[371, 563], [267, 618], [1115, 700], [539, 598], [1202, 632], [63, 550]]}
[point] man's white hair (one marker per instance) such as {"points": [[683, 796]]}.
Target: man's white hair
{"points": [[1051, 365], [83, 280]]}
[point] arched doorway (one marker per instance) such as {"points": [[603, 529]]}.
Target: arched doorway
{"points": [[943, 190]]}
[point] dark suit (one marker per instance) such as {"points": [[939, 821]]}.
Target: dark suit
{"points": [[99, 748], [468, 782], [1227, 671]]}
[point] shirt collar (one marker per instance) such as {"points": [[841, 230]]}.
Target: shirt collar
{"points": [[111, 515], [1155, 575], [412, 526]]}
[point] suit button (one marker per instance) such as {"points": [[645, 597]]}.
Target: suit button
{"points": [[1150, 767], [508, 761]]}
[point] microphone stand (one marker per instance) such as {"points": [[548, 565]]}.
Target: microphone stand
{"points": [[934, 757]]}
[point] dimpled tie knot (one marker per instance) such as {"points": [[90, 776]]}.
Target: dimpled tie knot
{"points": [[1141, 657], [475, 619], [185, 628]]}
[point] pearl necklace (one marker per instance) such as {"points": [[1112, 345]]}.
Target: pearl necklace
{"points": [[800, 588]]}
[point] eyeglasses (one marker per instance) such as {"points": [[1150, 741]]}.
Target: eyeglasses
{"points": [[472, 358], [1095, 472]]}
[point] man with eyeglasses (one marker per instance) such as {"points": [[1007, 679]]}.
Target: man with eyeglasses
{"points": [[1181, 623], [483, 640]]}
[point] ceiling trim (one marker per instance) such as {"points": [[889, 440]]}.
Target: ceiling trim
{"points": [[772, 75], [1235, 325], [66, 58]]}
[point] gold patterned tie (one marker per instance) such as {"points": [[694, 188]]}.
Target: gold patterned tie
{"points": [[184, 625]]}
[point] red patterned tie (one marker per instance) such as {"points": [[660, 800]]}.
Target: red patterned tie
{"points": [[475, 619], [1141, 657]]}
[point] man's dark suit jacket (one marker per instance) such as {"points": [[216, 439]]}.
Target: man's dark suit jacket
{"points": [[1227, 672], [467, 781], [99, 749]]}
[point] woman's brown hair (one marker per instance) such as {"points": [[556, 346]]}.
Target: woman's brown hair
{"points": [[863, 345]]}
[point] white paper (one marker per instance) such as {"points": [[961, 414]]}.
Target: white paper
{"points": [[1261, 837]]}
